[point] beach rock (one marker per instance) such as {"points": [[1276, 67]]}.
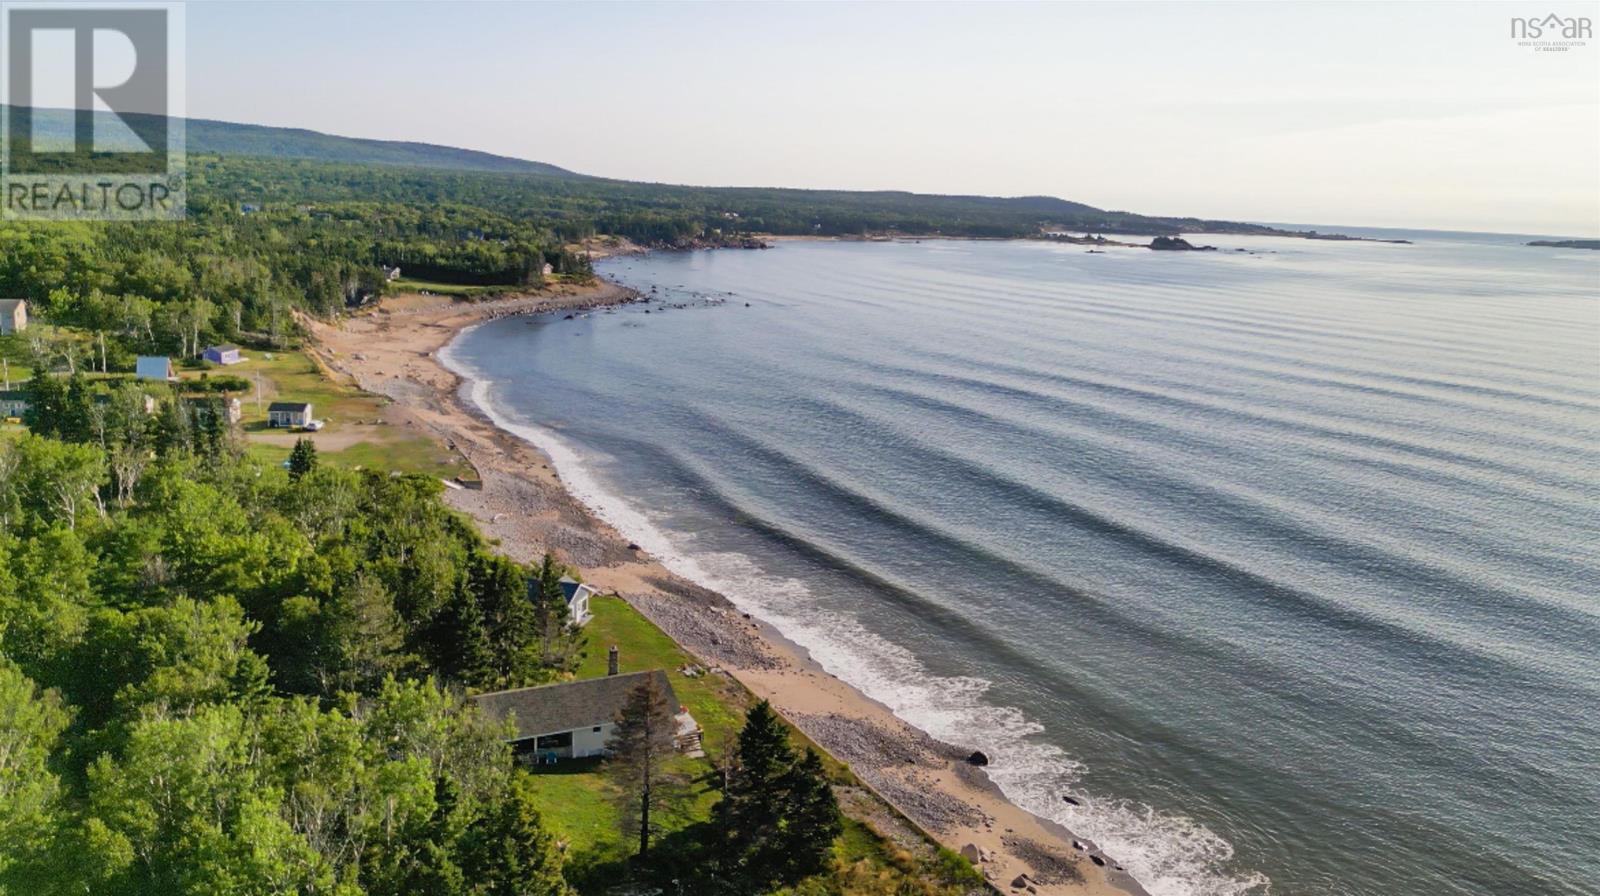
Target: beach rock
{"points": [[1019, 882], [1098, 861], [1178, 244], [1068, 799], [971, 853], [977, 758]]}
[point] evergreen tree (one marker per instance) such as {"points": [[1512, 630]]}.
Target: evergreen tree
{"points": [[173, 430], [459, 642], [500, 588], [303, 459], [75, 416], [812, 821], [47, 400], [558, 637], [641, 747], [779, 813], [509, 852]]}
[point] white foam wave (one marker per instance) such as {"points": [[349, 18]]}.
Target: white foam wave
{"points": [[1169, 854]]}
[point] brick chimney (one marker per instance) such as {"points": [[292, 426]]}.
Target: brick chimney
{"points": [[611, 660]]}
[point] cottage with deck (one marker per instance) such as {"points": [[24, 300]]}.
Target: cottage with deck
{"points": [[288, 413], [155, 367], [13, 316], [223, 354], [574, 720]]}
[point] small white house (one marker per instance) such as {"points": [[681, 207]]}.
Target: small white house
{"points": [[13, 316], [577, 595], [288, 414], [574, 720], [155, 367]]}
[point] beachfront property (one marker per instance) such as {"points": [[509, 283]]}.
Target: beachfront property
{"points": [[391, 274], [577, 595], [13, 403], [223, 354], [573, 720], [13, 316], [155, 367], [288, 413]]}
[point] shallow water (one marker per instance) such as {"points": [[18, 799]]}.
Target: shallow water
{"points": [[1282, 563]]}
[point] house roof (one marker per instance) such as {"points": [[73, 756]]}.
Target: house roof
{"points": [[554, 708], [570, 588], [11, 304], [225, 347], [153, 365], [13, 395], [303, 407]]}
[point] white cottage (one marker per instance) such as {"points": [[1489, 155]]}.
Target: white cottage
{"points": [[577, 595]]}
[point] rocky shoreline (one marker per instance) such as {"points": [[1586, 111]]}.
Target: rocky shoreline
{"points": [[523, 505]]}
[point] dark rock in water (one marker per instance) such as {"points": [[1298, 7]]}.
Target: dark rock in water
{"points": [[1178, 244], [977, 758], [1098, 861], [1068, 799], [1567, 244], [633, 547]]}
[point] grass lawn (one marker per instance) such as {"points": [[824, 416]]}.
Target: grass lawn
{"points": [[352, 437], [406, 284]]}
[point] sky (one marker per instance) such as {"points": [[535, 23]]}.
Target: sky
{"points": [[1403, 115]]}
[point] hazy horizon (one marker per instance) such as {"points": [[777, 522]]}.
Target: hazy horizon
{"points": [[1417, 116]]}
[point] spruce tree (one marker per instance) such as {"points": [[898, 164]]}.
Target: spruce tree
{"points": [[812, 821], [509, 852], [47, 400], [779, 813], [641, 747], [303, 459], [558, 638]]}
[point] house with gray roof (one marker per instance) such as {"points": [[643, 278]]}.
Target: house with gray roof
{"points": [[288, 413], [574, 719]]}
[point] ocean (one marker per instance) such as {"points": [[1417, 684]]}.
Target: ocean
{"points": [[1284, 563]]}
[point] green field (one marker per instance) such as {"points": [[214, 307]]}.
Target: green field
{"points": [[355, 435], [405, 284]]}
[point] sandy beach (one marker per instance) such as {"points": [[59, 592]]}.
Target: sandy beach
{"points": [[392, 351]]}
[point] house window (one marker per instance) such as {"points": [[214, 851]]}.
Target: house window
{"points": [[554, 741], [597, 729]]}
